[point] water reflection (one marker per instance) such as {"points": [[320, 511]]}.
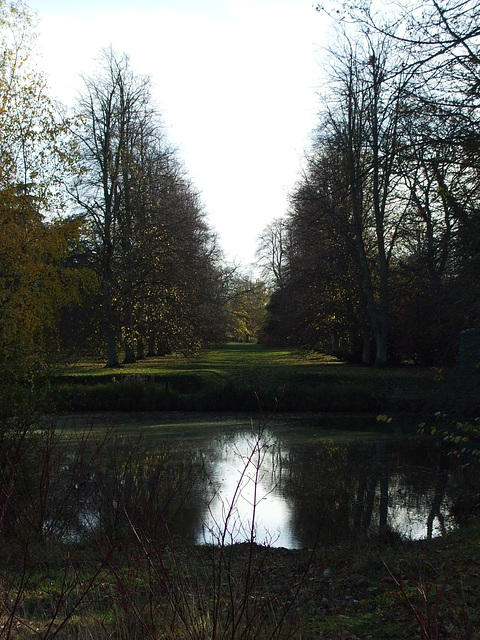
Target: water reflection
{"points": [[246, 501], [327, 489], [292, 485]]}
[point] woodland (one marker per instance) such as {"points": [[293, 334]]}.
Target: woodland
{"points": [[377, 259], [115, 295]]}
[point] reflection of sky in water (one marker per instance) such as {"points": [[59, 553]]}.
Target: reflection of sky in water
{"points": [[244, 477], [412, 523], [409, 515], [247, 481], [305, 485]]}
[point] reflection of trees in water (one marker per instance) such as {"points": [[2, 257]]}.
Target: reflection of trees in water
{"points": [[367, 492], [125, 486], [318, 479], [381, 488], [334, 488]]}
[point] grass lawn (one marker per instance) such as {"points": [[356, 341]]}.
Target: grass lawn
{"points": [[239, 376], [237, 356]]}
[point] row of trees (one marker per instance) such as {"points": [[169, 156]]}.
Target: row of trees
{"points": [[104, 239], [146, 236], [379, 254]]}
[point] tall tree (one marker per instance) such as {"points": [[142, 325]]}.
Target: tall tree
{"points": [[154, 252], [319, 304], [114, 108], [384, 222], [439, 43], [363, 117], [273, 252], [35, 283]]}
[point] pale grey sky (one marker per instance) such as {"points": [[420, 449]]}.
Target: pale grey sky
{"points": [[235, 82]]}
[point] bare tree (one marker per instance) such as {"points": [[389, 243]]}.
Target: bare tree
{"points": [[272, 252], [113, 109], [363, 117]]}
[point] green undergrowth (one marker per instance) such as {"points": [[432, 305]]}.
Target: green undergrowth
{"points": [[242, 377], [424, 589]]}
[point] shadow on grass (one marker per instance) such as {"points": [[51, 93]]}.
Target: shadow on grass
{"points": [[238, 376]]}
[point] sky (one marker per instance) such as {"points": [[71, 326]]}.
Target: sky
{"points": [[236, 82]]}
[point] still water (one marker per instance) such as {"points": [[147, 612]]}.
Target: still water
{"points": [[299, 481]]}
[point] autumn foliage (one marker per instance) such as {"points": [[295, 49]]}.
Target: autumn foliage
{"points": [[35, 281], [103, 235]]}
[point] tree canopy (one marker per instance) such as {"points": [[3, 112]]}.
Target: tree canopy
{"points": [[383, 224], [36, 239], [105, 240], [148, 241]]}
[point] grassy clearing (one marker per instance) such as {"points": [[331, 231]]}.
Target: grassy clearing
{"points": [[239, 377]]}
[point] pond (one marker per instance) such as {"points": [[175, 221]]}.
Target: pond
{"points": [[298, 481]]}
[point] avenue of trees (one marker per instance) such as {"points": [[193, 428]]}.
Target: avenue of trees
{"points": [[145, 234], [378, 258], [105, 244]]}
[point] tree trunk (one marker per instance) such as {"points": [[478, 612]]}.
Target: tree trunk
{"points": [[112, 355], [129, 353], [381, 356], [109, 324], [366, 347], [151, 348]]}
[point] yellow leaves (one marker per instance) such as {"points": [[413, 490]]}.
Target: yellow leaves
{"points": [[34, 283], [29, 130], [384, 418]]}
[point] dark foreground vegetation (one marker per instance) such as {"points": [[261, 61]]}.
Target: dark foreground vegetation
{"points": [[245, 591], [88, 551]]}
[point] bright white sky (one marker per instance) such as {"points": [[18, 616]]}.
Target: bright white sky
{"points": [[235, 80]]}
